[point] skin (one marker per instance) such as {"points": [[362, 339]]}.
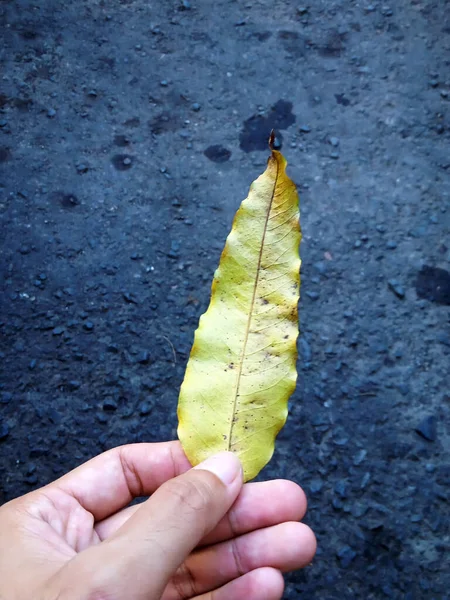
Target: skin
{"points": [[202, 534]]}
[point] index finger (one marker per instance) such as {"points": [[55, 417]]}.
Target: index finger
{"points": [[108, 482]]}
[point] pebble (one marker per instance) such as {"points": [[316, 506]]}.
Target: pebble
{"points": [[365, 480], [73, 385], [302, 10], [346, 555], [127, 161], [196, 107], [58, 330], [305, 129], [143, 358], [315, 486], [359, 457], [334, 155], [51, 113], [391, 245], [3, 123], [312, 295], [164, 83], [395, 287], [185, 5], [334, 141], [434, 83], [88, 326], [340, 488], [305, 349], [145, 408], [4, 431], [82, 168], [427, 428], [109, 404], [6, 397]]}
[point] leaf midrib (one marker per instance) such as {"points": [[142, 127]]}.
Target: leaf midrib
{"points": [[252, 304]]}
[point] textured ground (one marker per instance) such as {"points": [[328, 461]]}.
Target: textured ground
{"points": [[130, 131]]}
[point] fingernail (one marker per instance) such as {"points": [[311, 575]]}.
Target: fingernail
{"points": [[225, 465]]}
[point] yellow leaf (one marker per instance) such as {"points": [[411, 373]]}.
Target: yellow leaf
{"points": [[241, 370]]}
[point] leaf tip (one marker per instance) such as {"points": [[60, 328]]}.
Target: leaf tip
{"points": [[272, 139]]}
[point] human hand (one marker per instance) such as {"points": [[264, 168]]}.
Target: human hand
{"points": [[200, 535]]}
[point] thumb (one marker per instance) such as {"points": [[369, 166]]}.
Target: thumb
{"points": [[138, 561]]}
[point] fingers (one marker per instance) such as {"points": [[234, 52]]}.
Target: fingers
{"points": [[110, 481], [261, 584], [259, 505], [138, 560], [285, 547]]}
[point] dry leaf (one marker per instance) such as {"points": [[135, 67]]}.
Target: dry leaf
{"points": [[242, 367]]}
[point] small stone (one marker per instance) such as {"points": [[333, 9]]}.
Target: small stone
{"points": [[32, 364], [315, 486], [185, 5], [51, 113], [427, 428], [127, 161], [88, 326], [6, 397], [305, 129], [434, 83], [395, 287], [82, 168], [334, 155], [196, 107], [92, 94], [391, 245], [145, 409], [4, 431], [73, 385], [365, 480], [346, 554], [164, 83], [312, 295], [109, 404], [3, 123], [58, 330], [302, 10], [334, 141], [386, 11], [143, 358], [340, 488], [359, 457]]}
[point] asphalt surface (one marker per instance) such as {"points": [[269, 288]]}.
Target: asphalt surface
{"points": [[130, 132]]}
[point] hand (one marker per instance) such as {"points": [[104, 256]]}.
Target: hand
{"points": [[200, 535]]}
